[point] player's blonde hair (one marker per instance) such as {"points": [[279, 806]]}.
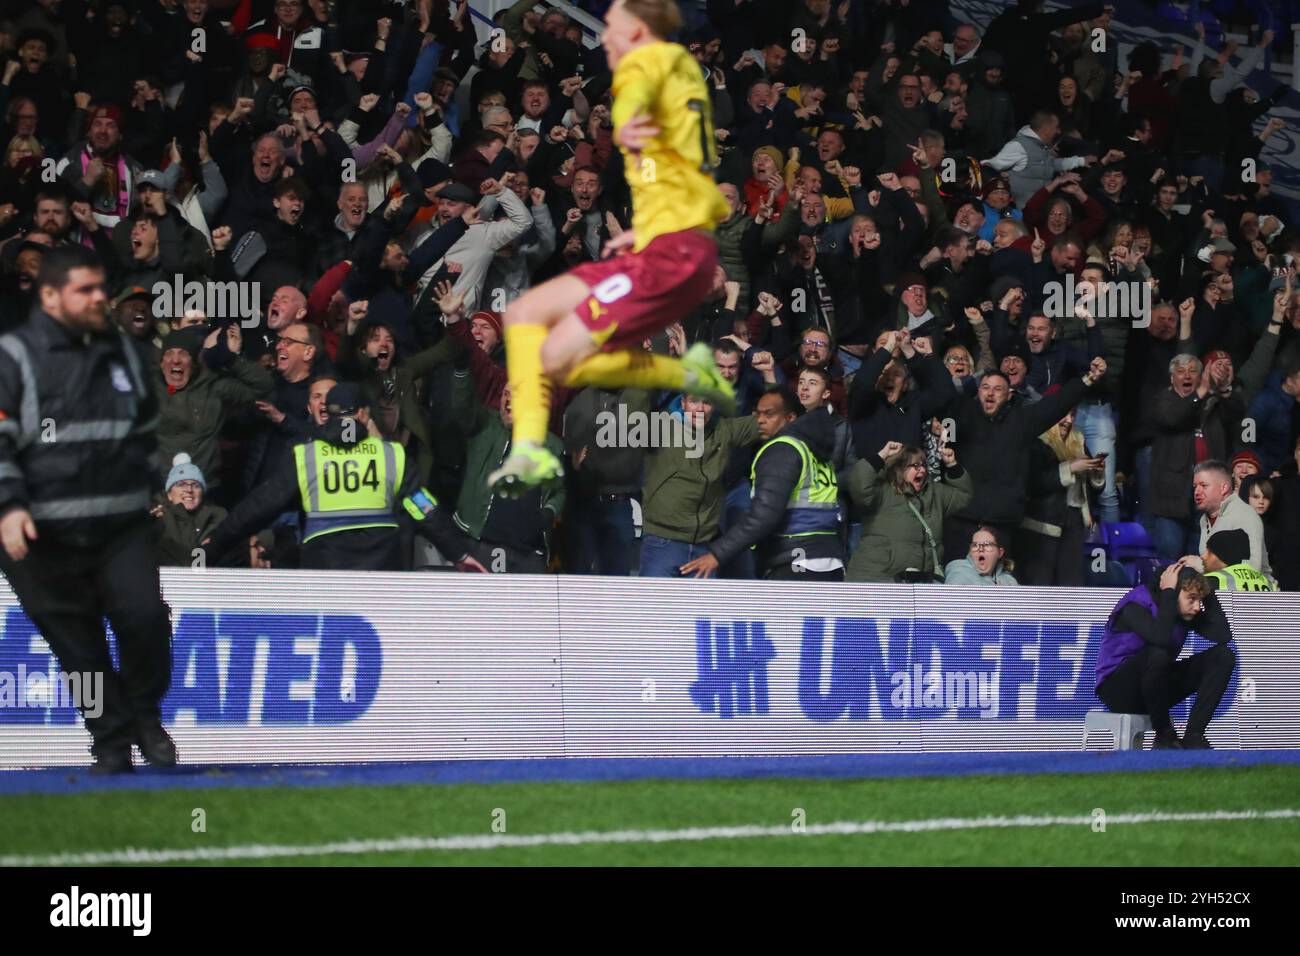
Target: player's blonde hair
{"points": [[661, 16]]}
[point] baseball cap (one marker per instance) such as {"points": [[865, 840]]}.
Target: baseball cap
{"points": [[132, 292], [344, 399], [151, 177]]}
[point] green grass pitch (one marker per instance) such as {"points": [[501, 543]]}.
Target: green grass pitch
{"points": [[42, 825]]}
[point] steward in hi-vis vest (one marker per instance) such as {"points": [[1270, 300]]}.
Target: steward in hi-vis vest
{"points": [[1226, 563], [358, 498], [793, 521]]}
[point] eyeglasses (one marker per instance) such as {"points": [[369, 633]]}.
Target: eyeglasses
{"points": [[287, 339], [983, 546], [817, 342], [188, 485]]}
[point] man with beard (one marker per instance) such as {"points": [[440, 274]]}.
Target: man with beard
{"points": [[51, 215], [357, 494], [995, 434], [22, 265], [78, 543], [97, 171], [393, 382]]}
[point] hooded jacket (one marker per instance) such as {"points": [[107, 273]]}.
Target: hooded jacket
{"points": [[776, 476]]}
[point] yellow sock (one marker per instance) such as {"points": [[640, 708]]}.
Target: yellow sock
{"points": [[530, 389], [629, 369]]}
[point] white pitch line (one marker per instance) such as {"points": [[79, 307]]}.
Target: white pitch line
{"points": [[496, 841]]}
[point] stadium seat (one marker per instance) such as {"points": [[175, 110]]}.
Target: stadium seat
{"points": [[1126, 540], [1124, 729]]}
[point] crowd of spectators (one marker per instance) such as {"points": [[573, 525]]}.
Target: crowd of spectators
{"points": [[932, 224]]}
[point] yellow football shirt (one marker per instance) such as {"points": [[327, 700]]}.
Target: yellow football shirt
{"points": [[673, 188]]}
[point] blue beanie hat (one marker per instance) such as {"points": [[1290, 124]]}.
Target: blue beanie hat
{"points": [[183, 469]]}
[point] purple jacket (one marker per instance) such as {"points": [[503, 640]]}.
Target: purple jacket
{"points": [[1119, 646]]}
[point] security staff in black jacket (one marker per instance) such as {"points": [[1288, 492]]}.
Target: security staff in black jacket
{"points": [[793, 521], [77, 450], [359, 499]]}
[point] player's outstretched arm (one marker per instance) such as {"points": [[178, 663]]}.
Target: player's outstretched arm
{"points": [[636, 133]]}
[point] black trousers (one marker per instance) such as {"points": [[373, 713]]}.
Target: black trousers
{"points": [[363, 549], [1043, 560], [1151, 681], [785, 572], [499, 558], [68, 591]]}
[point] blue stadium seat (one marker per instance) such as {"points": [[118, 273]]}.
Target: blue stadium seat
{"points": [[1127, 539]]}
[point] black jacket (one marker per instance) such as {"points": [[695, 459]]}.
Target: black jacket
{"points": [[995, 450], [366, 549], [775, 478], [1173, 453], [77, 423], [875, 421]]}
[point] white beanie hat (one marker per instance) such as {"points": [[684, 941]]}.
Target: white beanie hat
{"points": [[183, 469]]}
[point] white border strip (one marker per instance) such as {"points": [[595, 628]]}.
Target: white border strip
{"points": [[596, 837]]}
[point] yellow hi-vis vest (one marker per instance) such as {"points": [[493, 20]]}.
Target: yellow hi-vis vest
{"points": [[345, 489], [814, 506], [1241, 577]]}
